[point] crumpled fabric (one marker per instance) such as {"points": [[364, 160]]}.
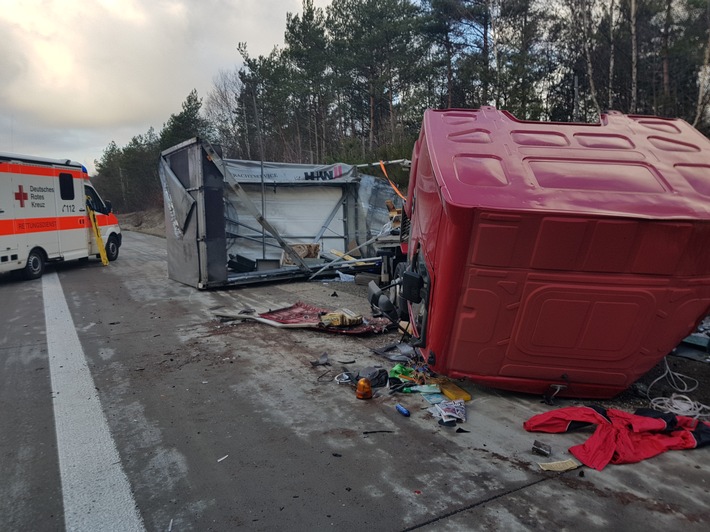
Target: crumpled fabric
{"points": [[621, 437]]}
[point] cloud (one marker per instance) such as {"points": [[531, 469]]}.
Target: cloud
{"points": [[78, 74]]}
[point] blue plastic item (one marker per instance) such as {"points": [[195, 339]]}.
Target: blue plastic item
{"points": [[402, 410]]}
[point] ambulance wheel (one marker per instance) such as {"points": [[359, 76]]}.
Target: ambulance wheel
{"points": [[35, 265], [112, 248]]}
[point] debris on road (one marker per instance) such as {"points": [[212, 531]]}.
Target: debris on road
{"points": [[450, 411], [561, 466], [303, 316], [321, 361], [621, 437], [402, 410], [541, 448]]}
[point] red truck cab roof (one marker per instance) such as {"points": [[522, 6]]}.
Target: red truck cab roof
{"points": [[488, 158]]}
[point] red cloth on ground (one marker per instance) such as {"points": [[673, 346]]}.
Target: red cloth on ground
{"points": [[621, 437]]}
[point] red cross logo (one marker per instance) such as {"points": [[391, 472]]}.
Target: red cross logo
{"points": [[21, 196]]}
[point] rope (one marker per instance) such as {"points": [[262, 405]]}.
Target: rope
{"points": [[678, 403]]}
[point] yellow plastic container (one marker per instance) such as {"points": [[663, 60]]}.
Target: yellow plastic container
{"points": [[454, 392]]}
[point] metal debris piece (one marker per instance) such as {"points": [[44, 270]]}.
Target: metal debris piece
{"points": [[541, 448], [321, 361]]}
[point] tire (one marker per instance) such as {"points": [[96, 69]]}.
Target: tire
{"points": [[35, 265], [112, 248]]}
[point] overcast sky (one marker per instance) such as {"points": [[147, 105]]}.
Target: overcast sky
{"points": [[77, 74]]}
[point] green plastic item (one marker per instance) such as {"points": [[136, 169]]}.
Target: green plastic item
{"points": [[400, 369]]}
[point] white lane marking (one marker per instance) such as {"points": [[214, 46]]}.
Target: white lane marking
{"points": [[96, 492]]}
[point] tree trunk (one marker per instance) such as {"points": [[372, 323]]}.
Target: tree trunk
{"points": [[372, 115], [634, 59], [496, 54], [449, 71], [486, 60], [704, 77], [610, 92], [667, 105], [587, 54]]}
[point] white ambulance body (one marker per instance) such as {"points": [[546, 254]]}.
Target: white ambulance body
{"points": [[44, 217]]}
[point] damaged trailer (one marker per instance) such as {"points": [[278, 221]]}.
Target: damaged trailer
{"points": [[554, 257], [232, 222]]}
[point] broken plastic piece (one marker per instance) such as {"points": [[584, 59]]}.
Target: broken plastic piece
{"points": [[454, 392], [541, 448], [322, 361]]}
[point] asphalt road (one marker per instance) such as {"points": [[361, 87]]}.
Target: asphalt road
{"points": [[125, 405]]}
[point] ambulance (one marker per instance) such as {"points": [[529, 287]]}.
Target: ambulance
{"points": [[47, 213]]}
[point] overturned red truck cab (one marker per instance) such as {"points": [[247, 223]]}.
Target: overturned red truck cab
{"points": [[555, 256]]}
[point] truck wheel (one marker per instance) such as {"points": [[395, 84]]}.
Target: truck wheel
{"points": [[35, 265], [112, 248]]}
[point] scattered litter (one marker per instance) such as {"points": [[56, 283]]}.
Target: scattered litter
{"points": [[346, 361], [450, 423], [402, 410], [345, 378], [398, 352], [225, 456], [454, 392], [564, 465], [541, 448], [170, 526], [396, 385], [334, 294], [337, 455], [341, 318], [345, 277], [449, 411], [460, 430], [321, 361], [685, 351], [401, 371], [434, 398], [376, 376], [303, 316], [425, 388], [377, 431]]}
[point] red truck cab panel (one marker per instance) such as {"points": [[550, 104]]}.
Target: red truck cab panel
{"points": [[572, 255]]}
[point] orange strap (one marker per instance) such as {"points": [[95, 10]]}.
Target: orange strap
{"points": [[394, 187]]}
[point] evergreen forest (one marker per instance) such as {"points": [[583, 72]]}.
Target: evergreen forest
{"points": [[352, 81]]}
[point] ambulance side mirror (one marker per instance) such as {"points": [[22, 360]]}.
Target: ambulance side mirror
{"points": [[109, 207]]}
